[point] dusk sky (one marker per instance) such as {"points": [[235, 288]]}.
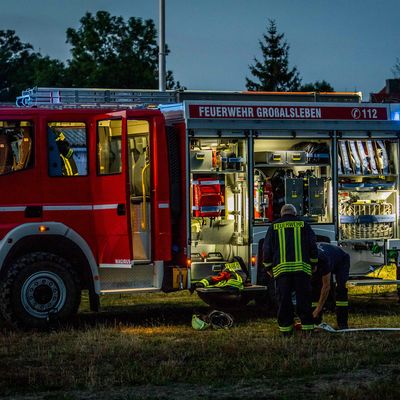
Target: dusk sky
{"points": [[352, 44]]}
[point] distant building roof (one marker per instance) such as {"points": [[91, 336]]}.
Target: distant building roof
{"points": [[389, 94]]}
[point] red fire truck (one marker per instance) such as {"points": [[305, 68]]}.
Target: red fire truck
{"points": [[124, 191]]}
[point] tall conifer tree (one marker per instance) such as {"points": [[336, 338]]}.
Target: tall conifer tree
{"points": [[273, 72]]}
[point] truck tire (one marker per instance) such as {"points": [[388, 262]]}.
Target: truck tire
{"points": [[39, 289]]}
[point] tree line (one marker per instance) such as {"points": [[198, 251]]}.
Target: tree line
{"points": [[110, 52], [106, 51]]}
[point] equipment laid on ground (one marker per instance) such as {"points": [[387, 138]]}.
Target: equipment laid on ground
{"points": [[214, 319], [233, 275]]}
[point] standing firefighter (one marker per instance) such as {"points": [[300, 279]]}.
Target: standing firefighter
{"points": [[290, 251], [331, 260]]}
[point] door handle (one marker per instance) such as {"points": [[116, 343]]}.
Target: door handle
{"points": [[144, 211], [121, 209]]}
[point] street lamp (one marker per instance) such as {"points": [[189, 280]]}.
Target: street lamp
{"points": [[161, 47]]}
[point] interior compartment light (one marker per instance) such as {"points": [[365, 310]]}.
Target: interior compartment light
{"points": [[396, 116]]}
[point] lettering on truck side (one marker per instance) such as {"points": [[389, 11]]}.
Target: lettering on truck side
{"points": [[289, 112], [260, 112], [226, 111]]}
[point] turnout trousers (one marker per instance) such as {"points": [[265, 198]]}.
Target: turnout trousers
{"points": [[342, 300], [286, 284], [340, 293]]}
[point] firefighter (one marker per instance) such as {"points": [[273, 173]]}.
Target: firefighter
{"points": [[66, 154], [290, 253], [331, 260]]}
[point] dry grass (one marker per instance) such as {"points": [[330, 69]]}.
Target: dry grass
{"points": [[144, 347]]}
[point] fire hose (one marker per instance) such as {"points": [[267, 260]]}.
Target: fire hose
{"points": [[328, 328]]}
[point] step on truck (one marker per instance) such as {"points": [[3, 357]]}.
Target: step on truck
{"points": [[119, 191]]}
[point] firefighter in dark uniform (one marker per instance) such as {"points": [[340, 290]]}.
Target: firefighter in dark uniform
{"points": [[331, 260], [290, 253]]}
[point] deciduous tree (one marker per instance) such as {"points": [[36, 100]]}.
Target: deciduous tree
{"points": [[22, 68], [108, 51]]}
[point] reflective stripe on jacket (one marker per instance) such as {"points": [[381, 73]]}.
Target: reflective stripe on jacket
{"points": [[290, 246]]}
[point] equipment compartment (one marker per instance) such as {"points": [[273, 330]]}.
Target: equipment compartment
{"points": [[367, 189], [219, 199], [302, 177]]}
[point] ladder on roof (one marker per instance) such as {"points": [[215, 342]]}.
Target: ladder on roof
{"points": [[83, 97], [130, 98]]}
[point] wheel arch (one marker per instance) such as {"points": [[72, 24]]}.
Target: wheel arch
{"points": [[59, 240]]}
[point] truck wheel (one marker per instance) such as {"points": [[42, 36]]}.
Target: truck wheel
{"points": [[39, 288]]}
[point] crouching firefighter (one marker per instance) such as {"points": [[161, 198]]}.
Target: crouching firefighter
{"points": [[331, 260], [233, 275], [290, 254]]}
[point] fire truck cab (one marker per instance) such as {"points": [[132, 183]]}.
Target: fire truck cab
{"points": [[85, 197], [113, 198]]}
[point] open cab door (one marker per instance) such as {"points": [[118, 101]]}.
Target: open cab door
{"points": [[123, 198], [110, 191], [139, 175]]}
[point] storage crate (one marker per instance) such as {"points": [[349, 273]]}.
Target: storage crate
{"points": [[366, 220]]}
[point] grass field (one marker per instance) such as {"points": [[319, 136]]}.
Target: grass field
{"points": [[143, 347]]}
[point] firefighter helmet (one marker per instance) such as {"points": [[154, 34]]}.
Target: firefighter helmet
{"points": [[198, 323]]}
